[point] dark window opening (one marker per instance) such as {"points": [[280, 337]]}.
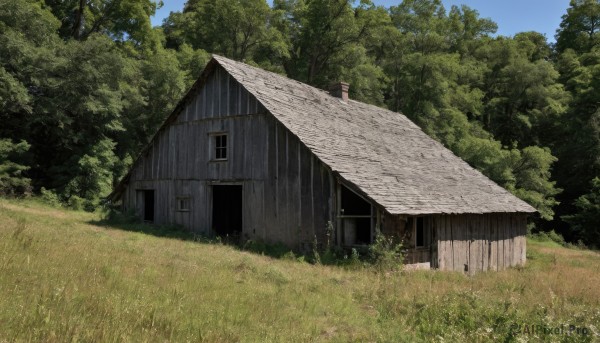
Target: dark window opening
{"points": [[220, 147], [356, 218], [353, 204], [420, 233], [149, 205], [227, 210]]}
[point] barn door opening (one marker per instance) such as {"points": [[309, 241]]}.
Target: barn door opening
{"points": [[227, 210], [145, 204], [357, 218]]}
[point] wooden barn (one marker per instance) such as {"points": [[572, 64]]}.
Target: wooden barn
{"points": [[254, 154]]}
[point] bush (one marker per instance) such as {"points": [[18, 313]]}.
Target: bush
{"points": [[50, 197], [386, 253], [76, 203], [548, 236]]}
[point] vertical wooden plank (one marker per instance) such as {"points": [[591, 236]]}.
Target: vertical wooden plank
{"points": [[197, 193], [312, 196], [441, 239], [306, 210], [448, 250], [261, 209], [223, 93], [512, 241], [203, 109], [448, 253], [197, 109], [508, 241], [233, 96], [485, 242], [466, 237], [472, 243], [502, 242], [243, 102], [476, 241], [210, 97], [293, 191], [517, 252], [499, 244], [271, 193], [482, 242], [466, 241], [456, 244]]}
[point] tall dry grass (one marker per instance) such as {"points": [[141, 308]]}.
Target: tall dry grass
{"points": [[65, 279]]}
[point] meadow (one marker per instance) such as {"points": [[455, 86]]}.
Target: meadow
{"points": [[67, 276]]}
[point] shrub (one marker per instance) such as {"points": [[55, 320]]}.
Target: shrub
{"points": [[386, 253], [76, 203], [549, 236], [50, 197]]}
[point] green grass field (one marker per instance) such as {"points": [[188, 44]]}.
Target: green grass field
{"points": [[64, 278]]}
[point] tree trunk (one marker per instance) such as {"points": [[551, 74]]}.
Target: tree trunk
{"points": [[79, 20]]}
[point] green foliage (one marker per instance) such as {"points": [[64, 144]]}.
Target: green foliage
{"points": [[579, 27], [12, 179], [386, 253], [237, 29], [143, 284], [93, 177], [88, 83], [550, 236], [118, 19], [586, 222], [49, 197]]}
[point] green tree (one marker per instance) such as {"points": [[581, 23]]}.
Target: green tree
{"points": [[328, 42], [586, 222], [579, 29], [523, 96], [120, 19], [236, 29], [460, 86], [12, 178]]}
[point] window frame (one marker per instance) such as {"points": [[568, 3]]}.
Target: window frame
{"points": [[215, 147], [179, 200]]}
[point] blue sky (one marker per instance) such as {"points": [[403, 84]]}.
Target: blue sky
{"points": [[512, 16]]}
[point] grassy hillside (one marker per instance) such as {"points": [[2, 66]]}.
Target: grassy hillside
{"points": [[63, 278]]}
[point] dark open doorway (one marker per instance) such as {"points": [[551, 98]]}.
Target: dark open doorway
{"points": [[149, 205], [227, 210], [357, 218]]}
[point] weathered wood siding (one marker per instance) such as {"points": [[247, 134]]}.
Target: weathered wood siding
{"points": [[480, 242], [397, 226], [465, 242], [286, 190]]}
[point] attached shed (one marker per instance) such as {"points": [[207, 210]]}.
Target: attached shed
{"points": [[251, 153]]}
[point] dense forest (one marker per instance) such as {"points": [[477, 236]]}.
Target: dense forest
{"points": [[84, 84]]}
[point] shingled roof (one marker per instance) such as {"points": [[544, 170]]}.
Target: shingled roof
{"points": [[382, 153]]}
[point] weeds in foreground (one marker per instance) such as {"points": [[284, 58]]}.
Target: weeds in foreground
{"points": [[78, 281]]}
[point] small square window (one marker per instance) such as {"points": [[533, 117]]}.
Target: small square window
{"points": [[183, 204], [220, 146]]}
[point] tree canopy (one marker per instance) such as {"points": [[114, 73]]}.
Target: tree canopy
{"points": [[84, 84]]}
